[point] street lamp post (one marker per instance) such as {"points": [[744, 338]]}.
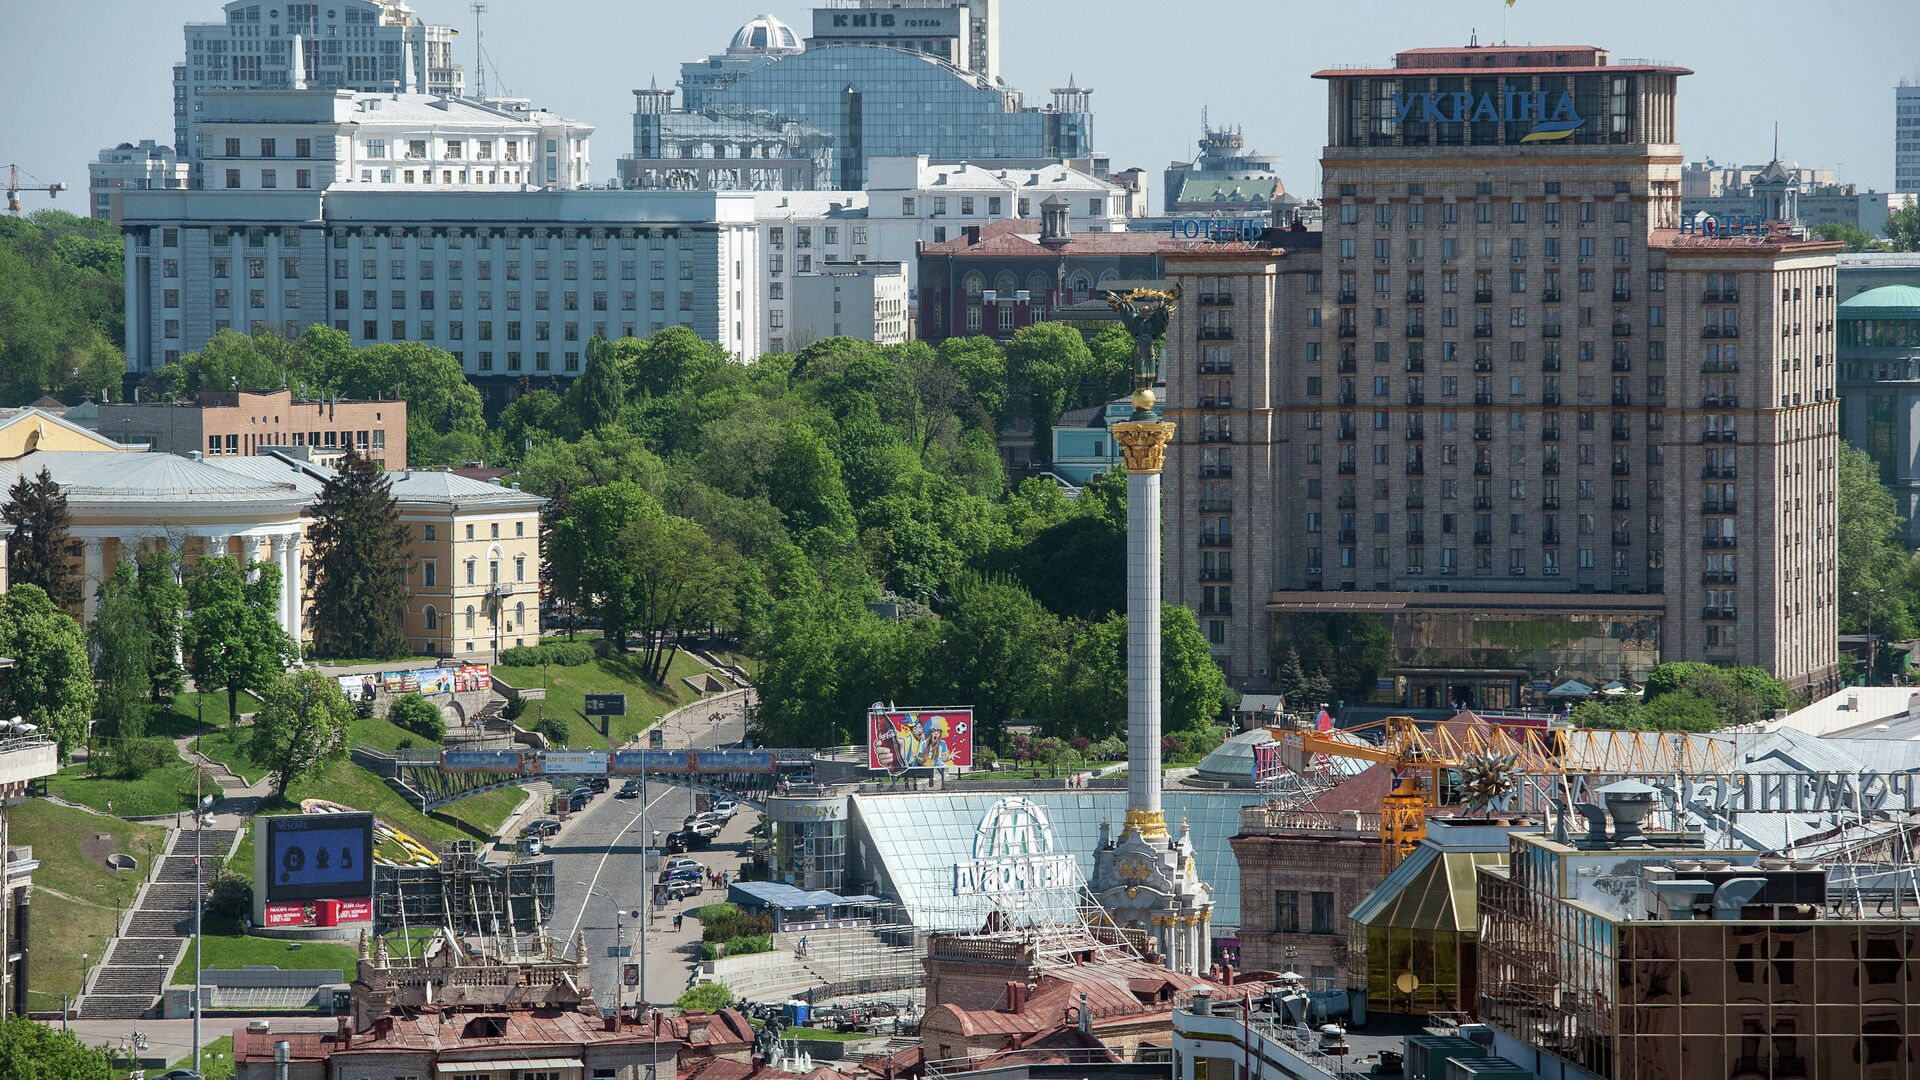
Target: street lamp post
{"points": [[202, 815]]}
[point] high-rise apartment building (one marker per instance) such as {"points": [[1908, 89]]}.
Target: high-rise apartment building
{"points": [[1508, 402], [328, 45], [1906, 137]]}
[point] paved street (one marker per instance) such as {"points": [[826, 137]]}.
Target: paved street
{"points": [[600, 881]]}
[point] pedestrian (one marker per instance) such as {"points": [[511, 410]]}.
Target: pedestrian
{"points": [[677, 916]]}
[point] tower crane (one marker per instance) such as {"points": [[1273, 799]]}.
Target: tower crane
{"points": [[15, 187], [1487, 755]]}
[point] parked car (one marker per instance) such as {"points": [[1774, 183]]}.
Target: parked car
{"points": [[628, 790], [685, 864], [178, 1074], [543, 827], [597, 784], [678, 890], [582, 789], [686, 840], [532, 845], [577, 800], [724, 809], [702, 827]]}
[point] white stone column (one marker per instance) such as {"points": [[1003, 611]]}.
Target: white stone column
{"points": [[215, 543], [91, 550], [1143, 445], [296, 590], [277, 546]]}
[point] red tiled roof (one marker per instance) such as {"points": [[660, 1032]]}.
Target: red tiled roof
{"points": [[445, 1032], [727, 1026], [1765, 243], [713, 1068], [1064, 1045], [1362, 791], [1114, 989]]}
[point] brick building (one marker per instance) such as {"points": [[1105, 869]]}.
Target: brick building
{"points": [[995, 278], [1508, 368], [240, 422]]}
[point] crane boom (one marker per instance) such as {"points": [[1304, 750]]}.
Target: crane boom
{"points": [[1419, 756], [15, 187]]}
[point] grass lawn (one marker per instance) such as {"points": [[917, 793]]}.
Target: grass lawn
{"points": [[486, 810], [567, 688], [380, 735], [414, 941], [185, 716], [78, 902], [228, 947], [242, 861], [228, 746], [216, 1059], [165, 790]]}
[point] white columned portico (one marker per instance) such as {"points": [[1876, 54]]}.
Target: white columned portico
{"points": [[214, 542], [277, 547], [296, 590], [91, 549]]}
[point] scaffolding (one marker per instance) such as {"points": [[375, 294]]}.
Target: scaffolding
{"points": [[465, 896]]}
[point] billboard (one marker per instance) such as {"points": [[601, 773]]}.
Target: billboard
{"points": [[940, 738], [574, 761], [439, 680], [312, 913], [692, 762], [316, 857], [483, 761]]}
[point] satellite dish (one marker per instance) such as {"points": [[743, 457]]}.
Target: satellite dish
{"points": [[1407, 982]]}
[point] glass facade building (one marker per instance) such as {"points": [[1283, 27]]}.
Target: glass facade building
{"points": [[908, 847], [1879, 375], [879, 101]]}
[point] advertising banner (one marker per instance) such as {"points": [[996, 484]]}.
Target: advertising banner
{"points": [[439, 680], [309, 913], [910, 739], [289, 914], [482, 761], [733, 761], [574, 761]]}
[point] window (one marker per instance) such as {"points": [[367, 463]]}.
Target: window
{"points": [[429, 573], [1286, 911], [1323, 913]]}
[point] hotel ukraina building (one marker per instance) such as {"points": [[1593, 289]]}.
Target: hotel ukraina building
{"points": [[1508, 400]]}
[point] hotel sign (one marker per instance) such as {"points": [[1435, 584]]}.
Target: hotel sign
{"points": [[1866, 792], [1218, 228], [1553, 118], [1015, 855]]}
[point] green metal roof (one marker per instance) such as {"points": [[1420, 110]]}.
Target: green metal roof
{"points": [[1885, 302], [1431, 889]]}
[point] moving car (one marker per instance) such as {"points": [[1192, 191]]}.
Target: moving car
{"points": [[628, 790], [543, 827]]}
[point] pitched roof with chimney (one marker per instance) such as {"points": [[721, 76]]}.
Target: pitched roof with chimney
{"points": [[1113, 990], [519, 1032]]}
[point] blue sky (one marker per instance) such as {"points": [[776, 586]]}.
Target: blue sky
{"points": [[78, 75]]}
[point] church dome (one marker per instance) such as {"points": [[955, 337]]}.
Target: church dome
{"points": [[764, 34]]}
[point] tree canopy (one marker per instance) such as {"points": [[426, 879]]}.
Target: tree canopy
{"points": [[360, 552], [232, 637], [61, 303], [301, 726], [37, 550], [49, 683]]}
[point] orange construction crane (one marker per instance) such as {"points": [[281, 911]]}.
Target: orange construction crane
{"points": [[15, 187], [1419, 758]]}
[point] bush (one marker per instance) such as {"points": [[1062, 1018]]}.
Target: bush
{"points": [[706, 997], [748, 944], [229, 896], [725, 922], [418, 715], [554, 728], [516, 707], [558, 653], [132, 759]]}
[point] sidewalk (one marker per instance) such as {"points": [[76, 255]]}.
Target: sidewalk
{"points": [[674, 955]]}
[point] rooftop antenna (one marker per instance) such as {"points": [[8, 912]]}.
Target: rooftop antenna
{"points": [[1776, 140], [479, 54]]}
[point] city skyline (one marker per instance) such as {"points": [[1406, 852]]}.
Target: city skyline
{"points": [[1145, 122]]}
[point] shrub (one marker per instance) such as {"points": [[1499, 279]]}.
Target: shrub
{"points": [[132, 759], [229, 896], [706, 997], [418, 715], [748, 944], [554, 728], [515, 708], [558, 653], [725, 922]]}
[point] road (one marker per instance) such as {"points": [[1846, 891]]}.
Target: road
{"points": [[600, 881]]}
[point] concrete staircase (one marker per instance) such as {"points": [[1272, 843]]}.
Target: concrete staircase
{"points": [[136, 968]]}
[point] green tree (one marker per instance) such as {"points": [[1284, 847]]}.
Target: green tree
{"points": [[1000, 651], [37, 550], [61, 301], [1289, 681], [1048, 360], [31, 1050], [1112, 369], [1876, 573], [597, 396], [1090, 698], [1903, 226], [1853, 236], [1350, 649], [804, 482], [443, 408], [706, 997], [164, 600], [361, 552], [231, 360], [671, 359], [122, 648], [49, 684], [232, 638], [590, 568], [301, 726], [982, 365], [418, 715]]}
